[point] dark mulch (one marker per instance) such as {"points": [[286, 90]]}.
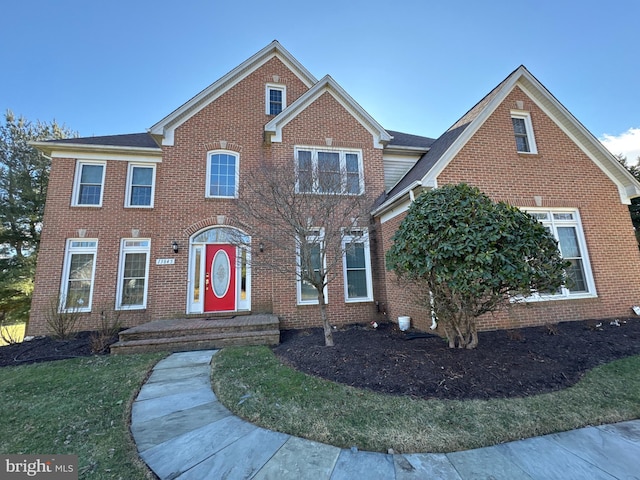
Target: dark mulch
{"points": [[514, 363], [506, 363], [46, 349]]}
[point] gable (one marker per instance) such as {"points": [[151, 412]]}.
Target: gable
{"points": [[273, 129], [426, 172], [559, 174], [238, 115], [164, 130]]}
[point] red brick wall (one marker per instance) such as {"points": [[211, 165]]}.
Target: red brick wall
{"points": [[237, 117], [563, 176], [326, 118]]}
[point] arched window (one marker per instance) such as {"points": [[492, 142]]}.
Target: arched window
{"points": [[222, 174]]}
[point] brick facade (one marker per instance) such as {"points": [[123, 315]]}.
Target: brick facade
{"points": [[560, 174], [235, 120]]}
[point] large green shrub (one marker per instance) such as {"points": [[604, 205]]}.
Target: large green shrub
{"points": [[464, 255]]}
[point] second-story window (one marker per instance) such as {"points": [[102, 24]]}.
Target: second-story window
{"points": [[329, 171], [140, 185], [222, 174], [89, 182]]}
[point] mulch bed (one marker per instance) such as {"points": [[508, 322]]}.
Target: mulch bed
{"points": [[46, 349], [513, 363]]}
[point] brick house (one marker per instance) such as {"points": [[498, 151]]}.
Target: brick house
{"points": [[136, 222]]}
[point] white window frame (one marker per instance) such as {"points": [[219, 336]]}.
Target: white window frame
{"points": [[133, 245], [317, 238], [553, 223], [237, 173], [528, 125], [278, 87], [342, 152], [76, 184], [362, 236], [77, 246], [130, 185]]}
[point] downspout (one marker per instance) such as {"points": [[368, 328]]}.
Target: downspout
{"points": [[434, 324]]}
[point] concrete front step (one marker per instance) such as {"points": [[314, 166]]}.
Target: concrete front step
{"points": [[177, 335]]}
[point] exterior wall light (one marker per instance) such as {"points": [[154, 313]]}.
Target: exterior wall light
{"points": [[175, 246]]}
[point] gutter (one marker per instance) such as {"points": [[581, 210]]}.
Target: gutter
{"points": [[386, 205]]}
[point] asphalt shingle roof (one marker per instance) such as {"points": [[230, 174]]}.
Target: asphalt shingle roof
{"points": [[441, 145], [408, 140], [139, 140]]}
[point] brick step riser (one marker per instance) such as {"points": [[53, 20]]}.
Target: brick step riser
{"points": [[197, 332], [189, 343]]}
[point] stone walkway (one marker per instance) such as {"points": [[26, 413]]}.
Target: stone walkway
{"points": [[183, 432]]}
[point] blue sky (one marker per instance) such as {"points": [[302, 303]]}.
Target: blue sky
{"points": [[119, 66]]}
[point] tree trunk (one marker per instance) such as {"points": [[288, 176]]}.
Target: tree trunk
{"points": [[328, 333], [474, 336]]}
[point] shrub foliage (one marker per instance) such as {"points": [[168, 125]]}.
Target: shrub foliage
{"points": [[464, 255]]}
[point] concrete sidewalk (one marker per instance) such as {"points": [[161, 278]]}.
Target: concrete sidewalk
{"points": [[183, 432]]}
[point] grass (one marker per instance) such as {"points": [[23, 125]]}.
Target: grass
{"points": [[78, 407], [14, 332], [253, 384]]}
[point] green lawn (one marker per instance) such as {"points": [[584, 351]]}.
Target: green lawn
{"points": [[252, 383], [80, 407]]}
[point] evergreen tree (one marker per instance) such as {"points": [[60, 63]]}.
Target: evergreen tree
{"points": [[24, 175]]}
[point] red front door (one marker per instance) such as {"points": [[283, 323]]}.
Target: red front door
{"points": [[220, 278]]}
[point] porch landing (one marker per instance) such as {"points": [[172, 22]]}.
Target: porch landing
{"points": [[184, 334]]}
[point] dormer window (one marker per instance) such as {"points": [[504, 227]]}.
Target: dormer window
{"points": [[276, 99], [523, 131]]}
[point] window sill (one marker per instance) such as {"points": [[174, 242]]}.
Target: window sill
{"points": [[554, 298], [529, 154], [358, 300], [85, 206], [133, 307], [76, 310]]}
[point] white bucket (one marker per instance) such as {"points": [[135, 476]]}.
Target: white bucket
{"points": [[404, 323]]}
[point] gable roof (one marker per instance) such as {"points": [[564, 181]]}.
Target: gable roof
{"points": [[273, 129], [165, 128], [443, 150]]}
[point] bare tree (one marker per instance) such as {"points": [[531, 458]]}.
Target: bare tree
{"points": [[308, 218]]}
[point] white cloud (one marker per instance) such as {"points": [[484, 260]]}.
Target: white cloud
{"points": [[627, 144]]}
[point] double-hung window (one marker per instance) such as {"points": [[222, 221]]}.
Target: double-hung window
{"points": [[358, 284], [324, 171], [89, 184], [140, 185], [523, 131], [222, 174], [133, 273], [76, 290], [276, 99], [311, 264], [566, 227]]}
